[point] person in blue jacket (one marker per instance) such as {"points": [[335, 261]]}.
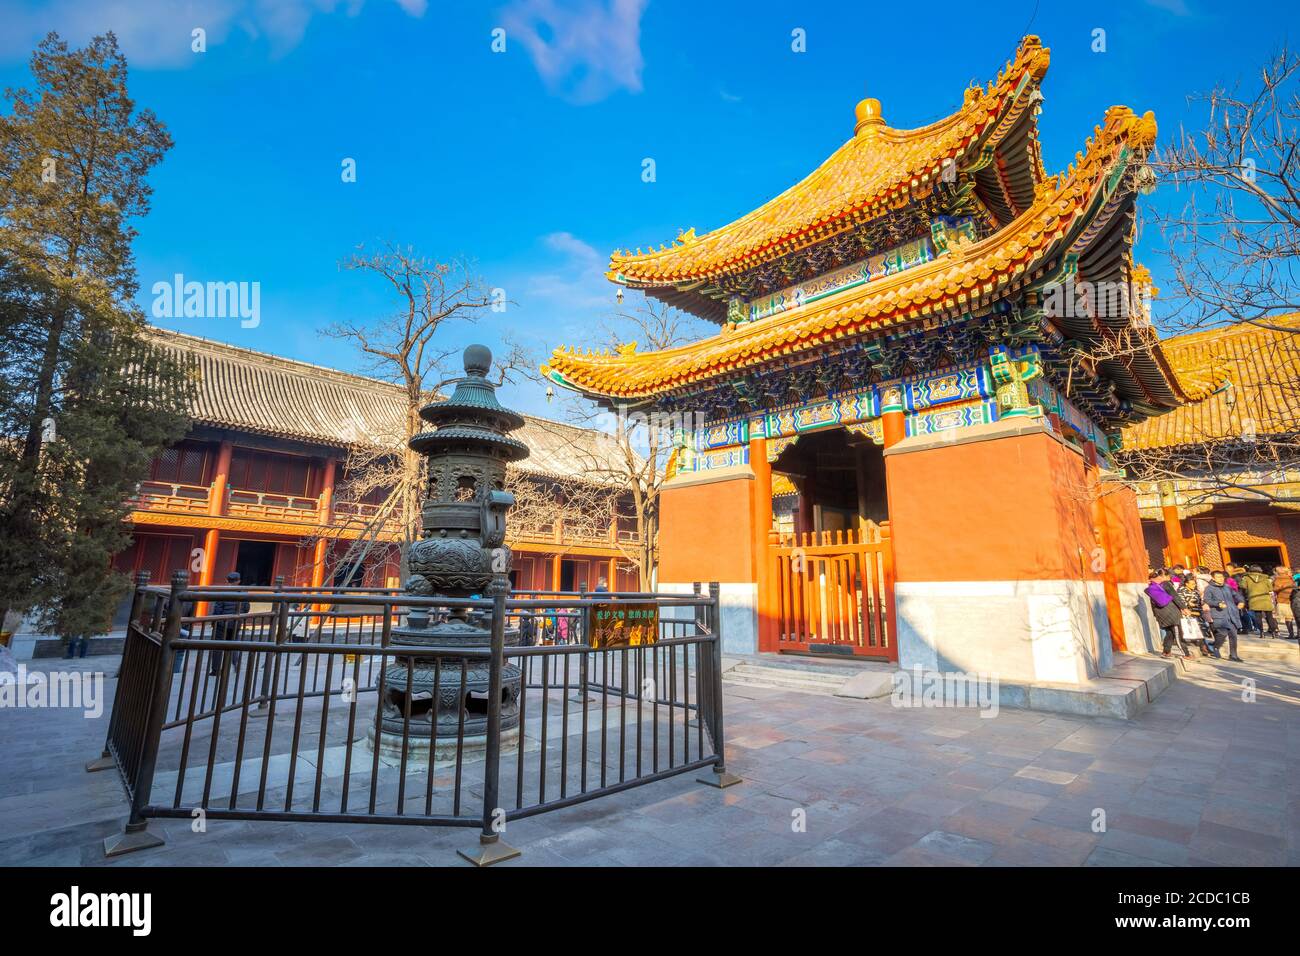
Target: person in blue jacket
{"points": [[1222, 607]]}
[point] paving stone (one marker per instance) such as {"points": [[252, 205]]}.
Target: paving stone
{"points": [[1210, 851], [1104, 856], [957, 845], [1019, 852], [1199, 778], [1147, 847]]}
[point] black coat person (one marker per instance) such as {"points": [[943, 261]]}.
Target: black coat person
{"points": [[1295, 597], [226, 630]]}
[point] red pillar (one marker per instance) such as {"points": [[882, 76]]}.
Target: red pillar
{"points": [[327, 493], [326, 518], [216, 507], [1176, 548], [762, 524], [319, 557], [807, 523], [220, 480], [893, 423]]}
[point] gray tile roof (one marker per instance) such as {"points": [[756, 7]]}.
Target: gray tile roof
{"points": [[266, 394]]}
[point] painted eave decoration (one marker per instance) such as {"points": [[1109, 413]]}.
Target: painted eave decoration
{"points": [[967, 278]]}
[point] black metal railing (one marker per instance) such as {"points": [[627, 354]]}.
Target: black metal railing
{"points": [[266, 704]]}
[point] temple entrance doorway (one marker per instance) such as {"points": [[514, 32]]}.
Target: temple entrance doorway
{"points": [[1266, 558], [840, 478], [255, 562], [830, 581]]}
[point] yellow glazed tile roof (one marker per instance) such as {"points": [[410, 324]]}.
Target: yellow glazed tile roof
{"points": [[969, 274], [1262, 366], [870, 174]]}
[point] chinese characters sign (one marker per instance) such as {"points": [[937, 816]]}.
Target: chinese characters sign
{"points": [[624, 624]]}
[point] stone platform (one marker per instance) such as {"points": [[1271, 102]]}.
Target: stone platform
{"points": [[1123, 691]]}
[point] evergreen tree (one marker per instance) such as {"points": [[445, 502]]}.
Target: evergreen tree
{"points": [[87, 398]]}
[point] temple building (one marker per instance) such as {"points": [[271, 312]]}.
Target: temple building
{"points": [[259, 485], [892, 347], [1222, 475]]}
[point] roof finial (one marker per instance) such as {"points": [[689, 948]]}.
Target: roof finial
{"points": [[868, 114]]}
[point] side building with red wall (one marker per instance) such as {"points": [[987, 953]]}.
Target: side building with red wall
{"points": [[258, 485], [1223, 473]]}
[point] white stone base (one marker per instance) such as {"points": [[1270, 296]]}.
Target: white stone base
{"points": [[739, 605], [445, 751], [1141, 632], [1017, 631]]}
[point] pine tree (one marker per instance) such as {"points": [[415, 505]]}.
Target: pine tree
{"points": [[87, 399]]}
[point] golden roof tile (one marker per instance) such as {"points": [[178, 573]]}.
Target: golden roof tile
{"points": [[1249, 375], [975, 272]]}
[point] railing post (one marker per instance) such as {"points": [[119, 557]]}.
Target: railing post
{"points": [[704, 663], [583, 626], [491, 848], [277, 638], [106, 761], [720, 777], [135, 835]]}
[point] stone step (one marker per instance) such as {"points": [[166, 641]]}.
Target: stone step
{"points": [[815, 690], [791, 673], [1267, 649], [785, 680], [777, 678], [843, 664]]}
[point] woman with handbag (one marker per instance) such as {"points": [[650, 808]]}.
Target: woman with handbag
{"points": [[1168, 609], [1193, 626]]}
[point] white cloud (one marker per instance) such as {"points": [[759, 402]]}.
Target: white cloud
{"points": [[573, 247], [578, 279], [157, 33], [584, 50]]}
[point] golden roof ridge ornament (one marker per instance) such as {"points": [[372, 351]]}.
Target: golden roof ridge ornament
{"points": [[1058, 198], [869, 118], [806, 209]]}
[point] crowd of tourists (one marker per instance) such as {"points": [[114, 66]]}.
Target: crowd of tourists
{"points": [[1207, 609]]}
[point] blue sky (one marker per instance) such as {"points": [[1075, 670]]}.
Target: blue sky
{"points": [[529, 161]]}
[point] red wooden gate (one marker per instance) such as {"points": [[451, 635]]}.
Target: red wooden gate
{"points": [[833, 591]]}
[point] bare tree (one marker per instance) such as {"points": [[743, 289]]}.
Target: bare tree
{"points": [[643, 440], [1230, 238], [1232, 243], [566, 511], [405, 348]]}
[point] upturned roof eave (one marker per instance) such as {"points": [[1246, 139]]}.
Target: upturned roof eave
{"points": [[1015, 82], [1039, 225]]}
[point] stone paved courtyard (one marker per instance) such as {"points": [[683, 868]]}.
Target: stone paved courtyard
{"points": [[1201, 777]]}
